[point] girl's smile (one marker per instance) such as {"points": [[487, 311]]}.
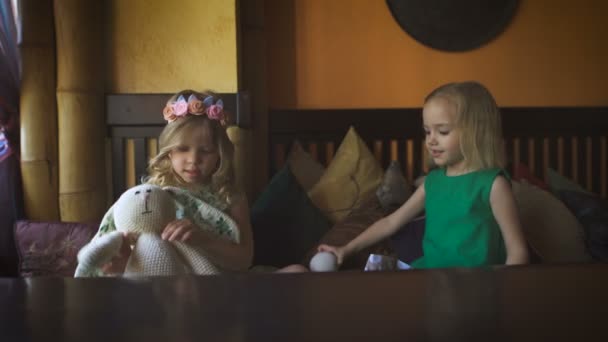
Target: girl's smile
{"points": [[435, 153], [193, 174]]}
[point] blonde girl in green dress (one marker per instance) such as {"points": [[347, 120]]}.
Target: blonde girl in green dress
{"points": [[471, 216]]}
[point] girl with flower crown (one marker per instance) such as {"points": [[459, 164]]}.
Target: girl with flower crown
{"points": [[196, 155]]}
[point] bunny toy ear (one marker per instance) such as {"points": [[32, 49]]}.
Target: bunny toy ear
{"points": [[208, 101], [180, 99]]}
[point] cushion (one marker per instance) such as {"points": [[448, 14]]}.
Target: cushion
{"points": [[558, 182], [407, 242], [368, 212], [522, 173], [50, 248], [394, 189], [306, 170], [285, 223], [551, 230], [351, 176], [592, 212]]}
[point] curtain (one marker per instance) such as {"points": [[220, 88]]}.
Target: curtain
{"points": [[11, 203]]}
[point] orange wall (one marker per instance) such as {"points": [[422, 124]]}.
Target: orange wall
{"points": [[352, 54]]}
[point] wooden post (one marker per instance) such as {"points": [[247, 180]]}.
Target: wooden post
{"points": [[241, 138], [80, 91], [252, 77], [38, 107]]}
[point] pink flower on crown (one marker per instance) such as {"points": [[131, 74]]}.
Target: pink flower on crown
{"points": [[215, 112], [168, 113], [180, 107]]}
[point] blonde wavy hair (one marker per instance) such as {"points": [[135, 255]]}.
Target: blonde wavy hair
{"points": [[159, 169], [478, 121]]}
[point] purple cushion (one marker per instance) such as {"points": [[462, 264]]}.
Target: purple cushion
{"points": [[407, 242], [50, 248]]}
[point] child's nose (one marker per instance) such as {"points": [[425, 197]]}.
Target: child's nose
{"points": [[192, 157]]}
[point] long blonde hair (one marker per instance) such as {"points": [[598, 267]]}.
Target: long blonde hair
{"points": [[479, 122], [160, 169]]}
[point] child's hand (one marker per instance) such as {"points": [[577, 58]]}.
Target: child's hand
{"points": [[178, 230], [118, 263], [338, 252]]}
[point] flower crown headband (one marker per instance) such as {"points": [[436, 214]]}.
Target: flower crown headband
{"points": [[180, 108]]}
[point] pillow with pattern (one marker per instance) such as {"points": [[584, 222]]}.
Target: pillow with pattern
{"points": [[353, 174], [50, 248], [361, 217]]}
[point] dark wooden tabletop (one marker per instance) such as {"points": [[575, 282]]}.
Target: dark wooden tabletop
{"points": [[535, 303]]}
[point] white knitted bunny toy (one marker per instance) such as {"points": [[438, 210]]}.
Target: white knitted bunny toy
{"points": [[146, 210]]}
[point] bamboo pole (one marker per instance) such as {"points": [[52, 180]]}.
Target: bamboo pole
{"points": [[39, 160], [80, 84]]}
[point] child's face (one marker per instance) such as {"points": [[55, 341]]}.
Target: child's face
{"points": [[442, 136], [196, 157]]}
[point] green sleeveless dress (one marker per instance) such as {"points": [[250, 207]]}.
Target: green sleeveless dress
{"points": [[461, 230]]}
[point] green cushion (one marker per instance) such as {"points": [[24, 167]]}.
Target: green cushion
{"points": [[285, 222], [558, 182]]}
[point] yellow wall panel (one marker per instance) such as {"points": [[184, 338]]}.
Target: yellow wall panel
{"points": [[164, 46]]}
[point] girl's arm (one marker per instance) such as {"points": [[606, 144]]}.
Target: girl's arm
{"points": [[382, 228], [505, 212], [230, 255], [225, 253]]}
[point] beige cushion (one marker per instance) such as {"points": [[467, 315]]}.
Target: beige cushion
{"points": [[351, 176], [305, 169], [550, 229]]}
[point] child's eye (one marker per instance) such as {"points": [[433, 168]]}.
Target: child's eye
{"points": [[205, 151], [182, 148], [444, 132]]}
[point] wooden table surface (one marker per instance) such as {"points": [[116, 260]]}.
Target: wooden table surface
{"points": [[531, 303]]}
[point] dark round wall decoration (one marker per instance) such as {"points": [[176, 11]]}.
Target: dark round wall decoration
{"points": [[453, 25]]}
